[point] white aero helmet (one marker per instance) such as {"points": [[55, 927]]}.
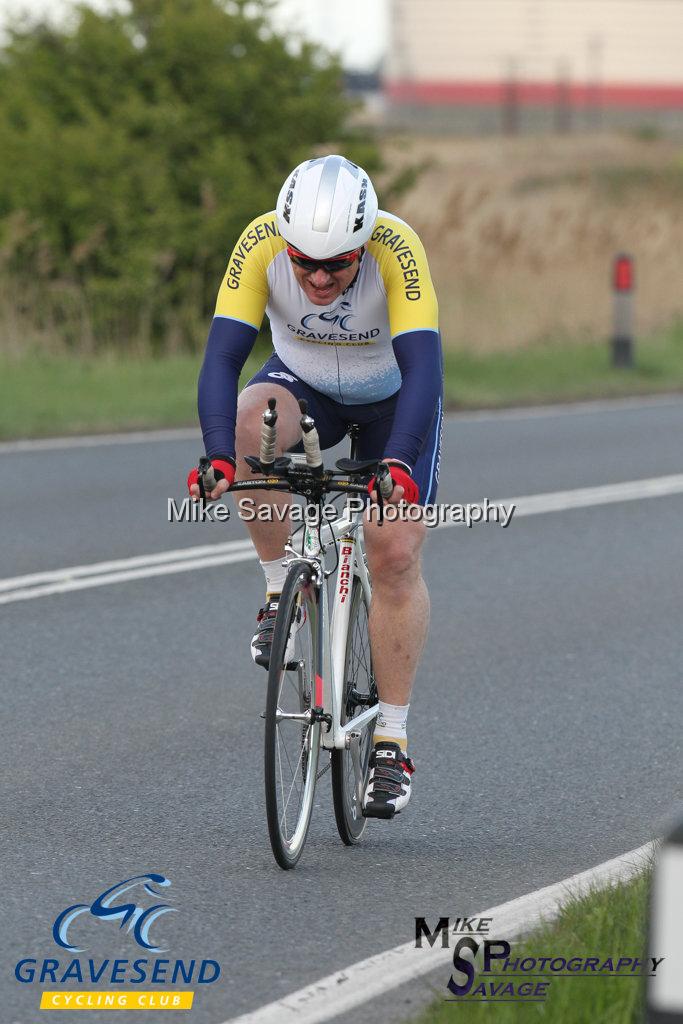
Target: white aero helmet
{"points": [[326, 207]]}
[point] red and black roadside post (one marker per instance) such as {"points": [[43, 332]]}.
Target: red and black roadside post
{"points": [[622, 333], [664, 994]]}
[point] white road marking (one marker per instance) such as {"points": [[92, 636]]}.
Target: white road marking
{"points": [[67, 586], [532, 412], [48, 444], [344, 990], [102, 574], [122, 564], [604, 494], [45, 444]]}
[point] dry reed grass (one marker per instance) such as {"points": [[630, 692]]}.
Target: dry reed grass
{"points": [[521, 232]]}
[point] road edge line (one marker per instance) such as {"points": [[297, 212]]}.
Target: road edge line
{"points": [[66, 441], [367, 979]]}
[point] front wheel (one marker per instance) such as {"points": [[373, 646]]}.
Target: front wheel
{"points": [[292, 738], [359, 691]]}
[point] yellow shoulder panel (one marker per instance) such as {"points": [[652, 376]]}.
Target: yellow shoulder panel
{"points": [[402, 261], [244, 289]]}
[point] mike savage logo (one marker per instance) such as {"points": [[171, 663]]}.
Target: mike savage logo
{"points": [[485, 969]]}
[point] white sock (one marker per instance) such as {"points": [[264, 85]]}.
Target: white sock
{"points": [[390, 724], [276, 574]]}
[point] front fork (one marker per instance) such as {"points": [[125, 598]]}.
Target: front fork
{"points": [[334, 660], [330, 660]]}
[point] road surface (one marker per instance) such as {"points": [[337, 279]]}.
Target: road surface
{"points": [[545, 723]]}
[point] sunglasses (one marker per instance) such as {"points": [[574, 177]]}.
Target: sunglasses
{"points": [[342, 262]]}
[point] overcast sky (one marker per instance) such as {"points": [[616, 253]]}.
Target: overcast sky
{"points": [[358, 29]]}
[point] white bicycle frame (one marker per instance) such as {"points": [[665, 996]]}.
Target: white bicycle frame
{"points": [[347, 530]]}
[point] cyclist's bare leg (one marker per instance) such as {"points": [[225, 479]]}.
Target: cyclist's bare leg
{"points": [[269, 535], [399, 611]]}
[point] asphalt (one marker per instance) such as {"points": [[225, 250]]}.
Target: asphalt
{"points": [[545, 721]]}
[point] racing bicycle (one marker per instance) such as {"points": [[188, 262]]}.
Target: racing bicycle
{"points": [[321, 698]]}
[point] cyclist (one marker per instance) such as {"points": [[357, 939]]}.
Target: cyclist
{"points": [[353, 317]]}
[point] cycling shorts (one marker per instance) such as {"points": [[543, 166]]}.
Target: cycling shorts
{"points": [[332, 420]]}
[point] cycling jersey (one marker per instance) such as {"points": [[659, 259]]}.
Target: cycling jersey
{"points": [[344, 349], [378, 337]]}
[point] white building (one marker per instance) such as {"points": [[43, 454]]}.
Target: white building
{"points": [[509, 61]]}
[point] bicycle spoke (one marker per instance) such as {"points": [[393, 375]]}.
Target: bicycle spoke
{"points": [[293, 772], [281, 782], [294, 780]]}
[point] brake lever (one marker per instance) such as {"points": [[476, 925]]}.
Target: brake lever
{"points": [[381, 489], [205, 477]]}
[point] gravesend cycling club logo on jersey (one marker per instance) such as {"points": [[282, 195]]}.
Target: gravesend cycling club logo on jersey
{"points": [[338, 315], [334, 325], [137, 907]]}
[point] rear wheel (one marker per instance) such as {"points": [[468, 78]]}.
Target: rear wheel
{"points": [[360, 690], [292, 739]]}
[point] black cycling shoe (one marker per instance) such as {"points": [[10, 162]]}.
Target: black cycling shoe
{"points": [[262, 640], [388, 788]]}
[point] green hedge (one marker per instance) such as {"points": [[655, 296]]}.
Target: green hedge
{"points": [[135, 147]]}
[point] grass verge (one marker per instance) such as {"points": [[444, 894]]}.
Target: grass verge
{"points": [[562, 372], [610, 923], [42, 396], [52, 396]]}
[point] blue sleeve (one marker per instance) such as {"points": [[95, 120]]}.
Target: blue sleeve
{"points": [[418, 354], [229, 344]]}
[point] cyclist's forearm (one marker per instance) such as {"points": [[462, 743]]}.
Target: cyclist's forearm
{"points": [[418, 354], [227, 348]]}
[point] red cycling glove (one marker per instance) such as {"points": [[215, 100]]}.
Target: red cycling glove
{"points": [[402, 478], [222, 469]]}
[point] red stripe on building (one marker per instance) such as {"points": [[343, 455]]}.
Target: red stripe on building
{"points": [[536, 94]]}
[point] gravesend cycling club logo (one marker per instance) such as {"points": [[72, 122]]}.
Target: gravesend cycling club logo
{"points": [[331, 326], [134, 906], [337, 316], [104, 908]]}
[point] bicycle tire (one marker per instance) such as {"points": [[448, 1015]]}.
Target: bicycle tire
{"points": [[291, 688], [358, 661]]}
